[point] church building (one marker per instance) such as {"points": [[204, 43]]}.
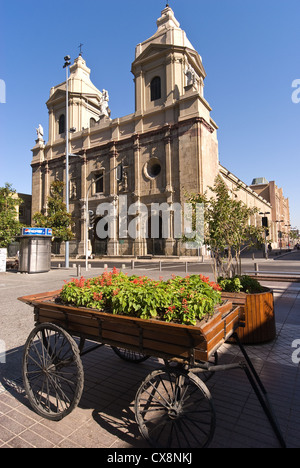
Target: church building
{"points": [[168, 147]]}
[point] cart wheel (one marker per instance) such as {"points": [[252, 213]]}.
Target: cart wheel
{"points": [[174, 409], [52, 371], [129, 355]]}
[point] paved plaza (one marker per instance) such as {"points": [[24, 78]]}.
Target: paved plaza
{"points": [[105, 415]]}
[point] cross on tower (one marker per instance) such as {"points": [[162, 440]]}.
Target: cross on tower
{"points": [[80, 48]]}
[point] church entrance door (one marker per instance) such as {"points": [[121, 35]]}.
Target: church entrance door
{"points": [[155, 245]]}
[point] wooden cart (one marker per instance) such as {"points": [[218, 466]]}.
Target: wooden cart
{"points": [[173, 406]]}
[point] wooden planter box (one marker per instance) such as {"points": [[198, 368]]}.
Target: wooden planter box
{"points": [[259, 319], [150, 337]]}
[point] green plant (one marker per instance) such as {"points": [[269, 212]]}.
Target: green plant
{"points": [[9, 225], [242, 283], [57, 216], [227, 231], [179, 300]]}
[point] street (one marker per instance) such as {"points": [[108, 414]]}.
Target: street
{"points": [[286, 262], [16, 318], [105, 415]]}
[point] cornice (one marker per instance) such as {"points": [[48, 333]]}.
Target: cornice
{"points": [[242, 185]]}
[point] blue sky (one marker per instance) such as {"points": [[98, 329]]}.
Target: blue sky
{"points": [[249, 48]]}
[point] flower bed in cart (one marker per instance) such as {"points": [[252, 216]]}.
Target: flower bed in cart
{"points": [[178, 300], [183, 318]]}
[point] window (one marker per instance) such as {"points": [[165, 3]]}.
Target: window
{"points": [[99, 182], [153, 168], [155, 88], [61, 124], [92, 122]]}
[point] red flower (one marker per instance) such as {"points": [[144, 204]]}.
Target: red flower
{"points": [[205, 279], [97, 297]]}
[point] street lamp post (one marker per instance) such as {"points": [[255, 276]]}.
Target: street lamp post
{"points": [[265, 225], [66, 66], [280, 233], [289, 230]]}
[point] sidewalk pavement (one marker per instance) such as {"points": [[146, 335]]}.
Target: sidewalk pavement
{"points": [[105, 415]]}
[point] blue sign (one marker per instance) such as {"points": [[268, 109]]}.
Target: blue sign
{"points": [[37, 232]]}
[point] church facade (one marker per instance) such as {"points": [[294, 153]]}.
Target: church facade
{"points": [[168, 147]]}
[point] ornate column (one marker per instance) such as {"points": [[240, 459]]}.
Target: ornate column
{"points": [[137, 169], [167, 141], [139, 244], [51, 126], [170, 242], [113, 243], [200, 184], [46, 191]]}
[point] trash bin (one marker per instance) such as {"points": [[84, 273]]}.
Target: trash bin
{"points": [[35, 250]]}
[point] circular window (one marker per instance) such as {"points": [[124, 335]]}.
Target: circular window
{"points": [[153, 168]]}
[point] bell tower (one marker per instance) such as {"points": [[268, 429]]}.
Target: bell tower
{"points": [[167, 70], [84, 102]]}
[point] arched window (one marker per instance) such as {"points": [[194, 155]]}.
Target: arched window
{"points": [[155, 88], [92, 122], [61, 124]]}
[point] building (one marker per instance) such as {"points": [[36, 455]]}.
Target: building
{"points": [[280, 225], [168, 146]]}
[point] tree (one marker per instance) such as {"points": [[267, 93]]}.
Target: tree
{"points": [[227, 228], [9, 224], [57, 216]]}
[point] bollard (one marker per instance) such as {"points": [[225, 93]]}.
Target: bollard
{"points": [[123, 266], [74, 265], [159, 266], [105, 266], [186, 267], [59, 265], [256, 268], [132, 264], [78, 270]]}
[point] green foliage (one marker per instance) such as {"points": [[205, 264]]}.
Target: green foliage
{"points": [[230, 284], [242, 283], [9, 225], [179, 300], [227, 230], [57, 217]]}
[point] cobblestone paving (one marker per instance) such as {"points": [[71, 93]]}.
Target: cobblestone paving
{"points": [[105, 415]]}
